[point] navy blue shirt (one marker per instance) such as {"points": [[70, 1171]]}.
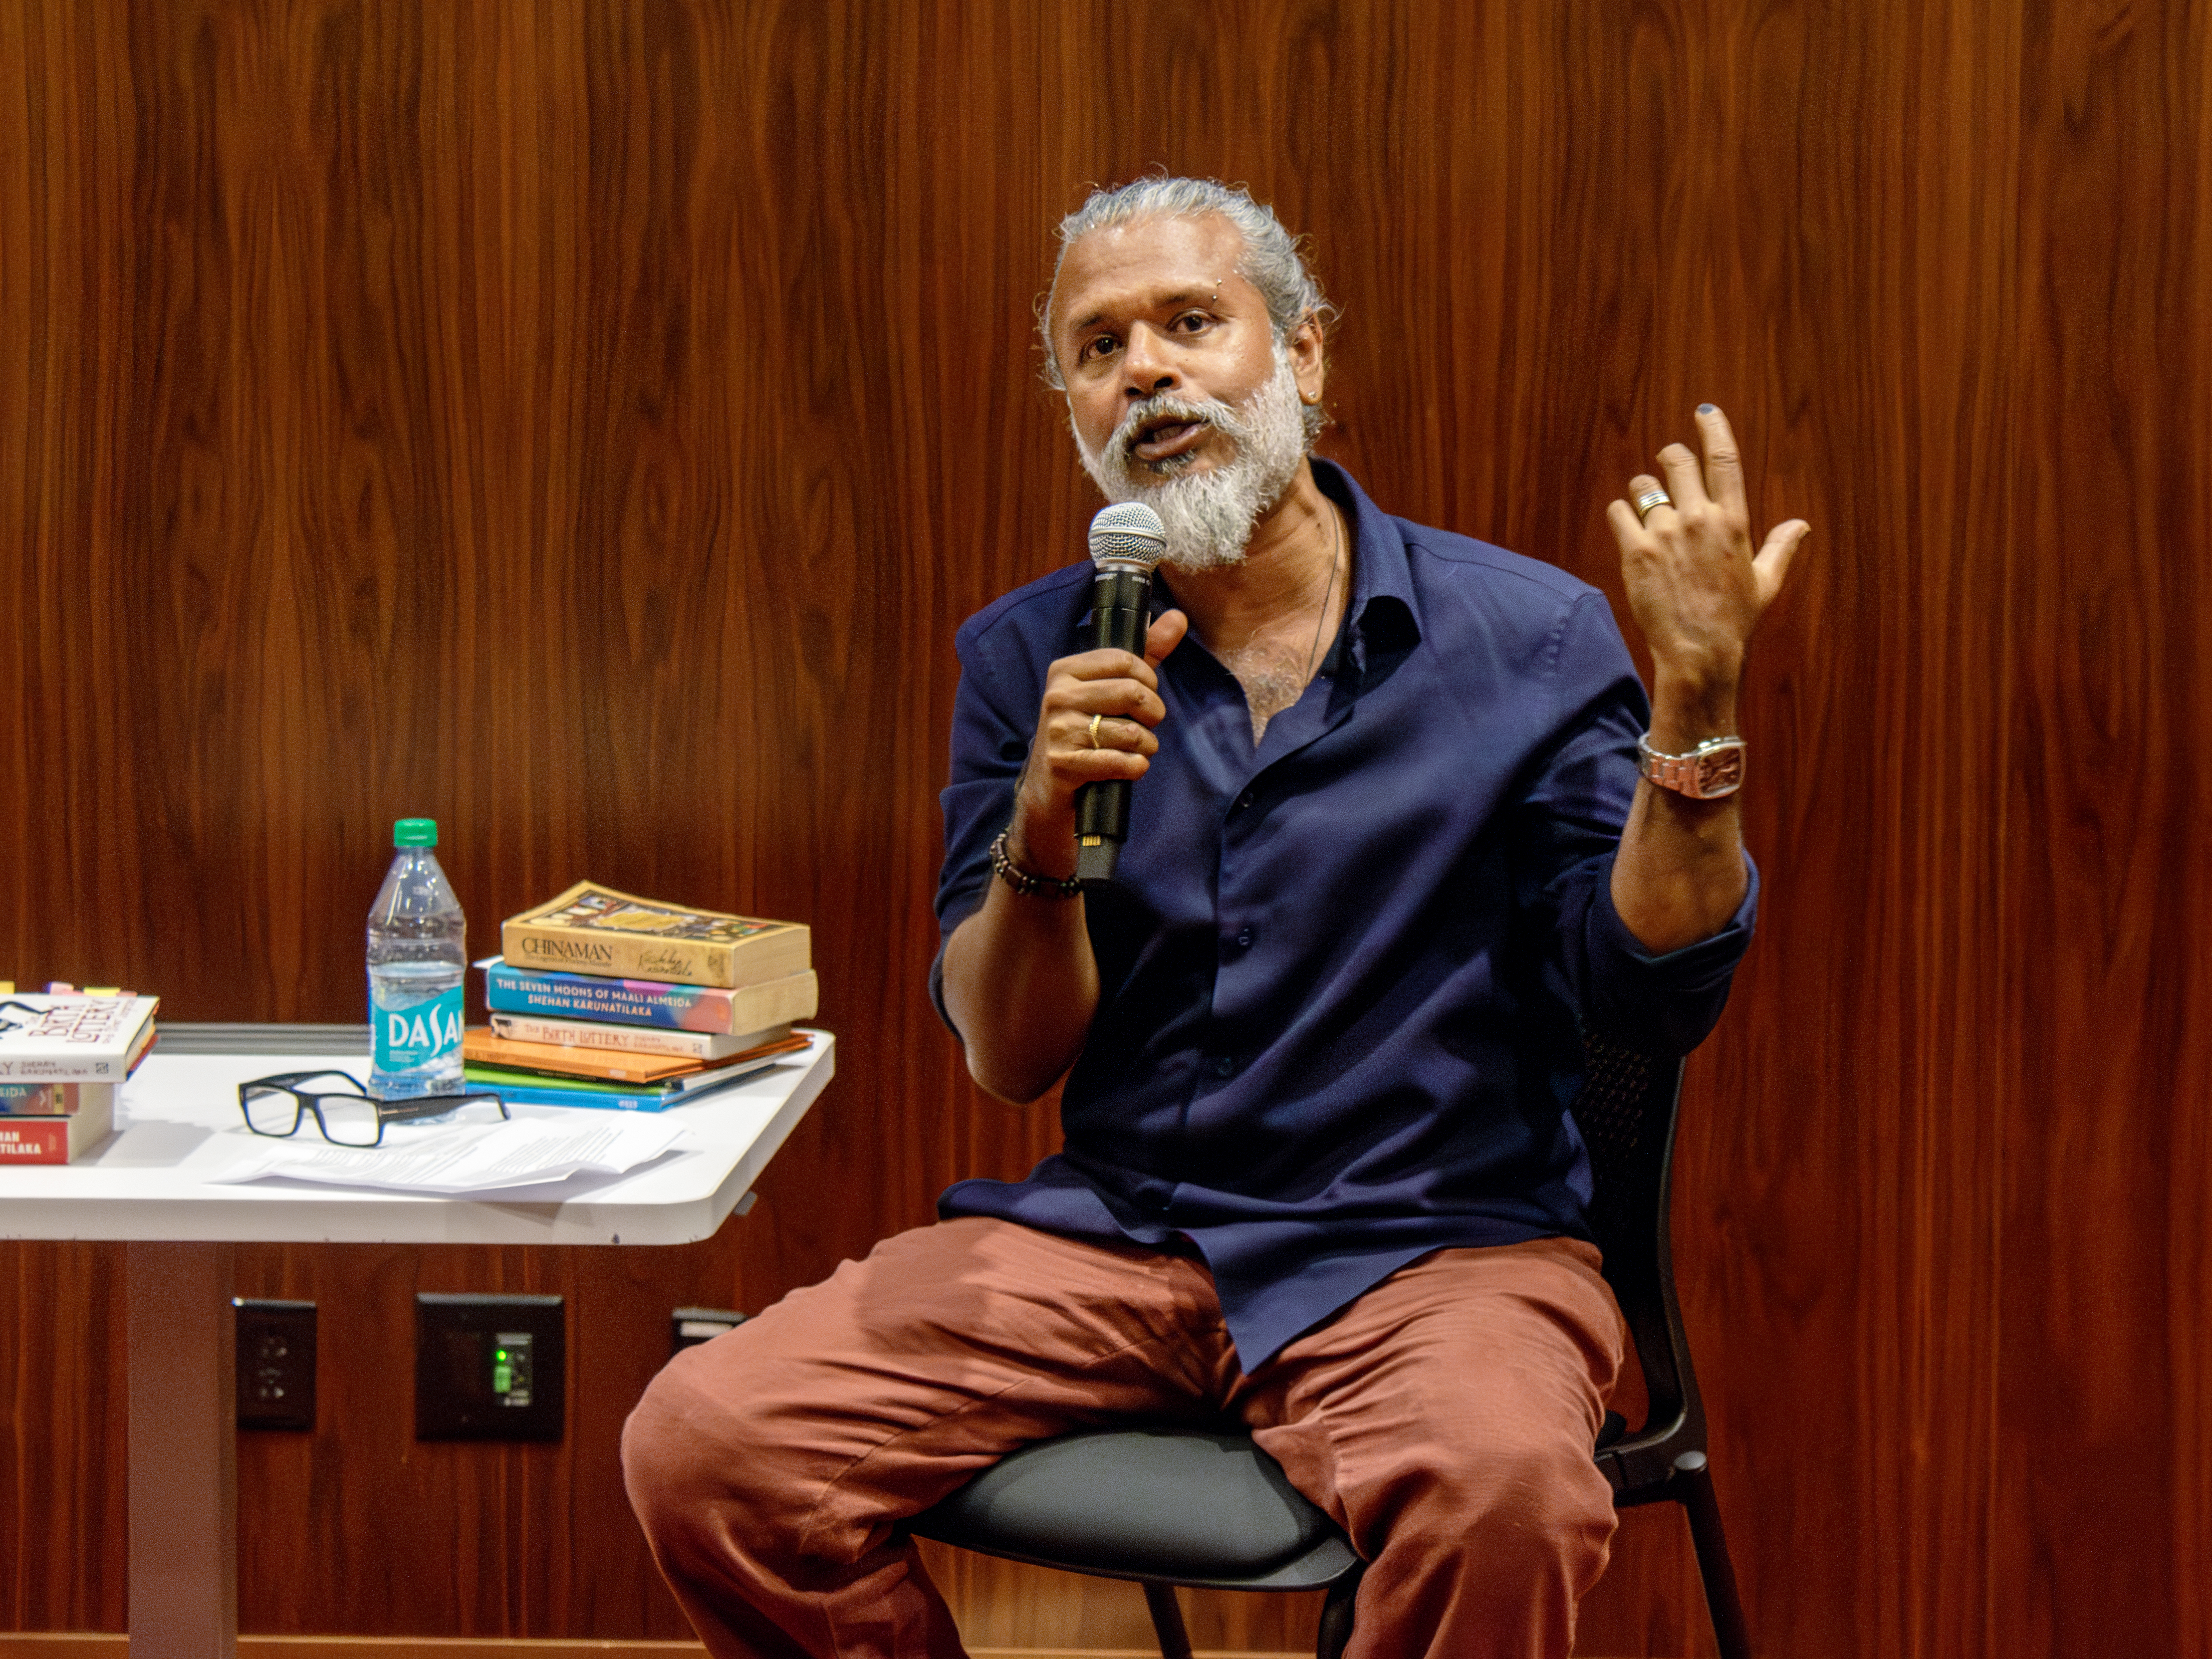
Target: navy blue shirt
{"points": [[1343, 975]]}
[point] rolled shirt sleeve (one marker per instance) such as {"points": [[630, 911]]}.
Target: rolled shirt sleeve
{"points": [[994, 714], [1568, 830]]}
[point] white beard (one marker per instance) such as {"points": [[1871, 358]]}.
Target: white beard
{"points": [[1209, 515]]}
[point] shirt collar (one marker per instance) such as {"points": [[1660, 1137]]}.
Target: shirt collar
{"points": [[1384, 610]]}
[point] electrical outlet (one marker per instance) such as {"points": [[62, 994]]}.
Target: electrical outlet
{"points": [[689, 1327], [490, 1367], [276, 1364]]}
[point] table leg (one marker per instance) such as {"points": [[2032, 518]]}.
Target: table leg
{"points": [[183, 1454]]}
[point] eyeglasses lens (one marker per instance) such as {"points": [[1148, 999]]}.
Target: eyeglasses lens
{"points": [[270, 1111], [348, 1118]]}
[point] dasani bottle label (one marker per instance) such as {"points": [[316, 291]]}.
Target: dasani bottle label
{"points": [[408, 1039]]}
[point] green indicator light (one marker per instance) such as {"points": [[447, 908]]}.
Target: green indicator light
{"points": [[499, 1354], [502, 1378]]}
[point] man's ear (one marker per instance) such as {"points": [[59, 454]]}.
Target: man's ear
{"points": [[1309, 364]]}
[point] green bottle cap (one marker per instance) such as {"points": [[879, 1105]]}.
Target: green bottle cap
{"points": [[415, 832]]}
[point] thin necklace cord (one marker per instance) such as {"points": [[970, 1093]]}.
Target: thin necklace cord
{"points": [[1335, 557]]}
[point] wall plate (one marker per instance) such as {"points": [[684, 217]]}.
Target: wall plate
{"points": [[276, 1364], [490, 1367]]}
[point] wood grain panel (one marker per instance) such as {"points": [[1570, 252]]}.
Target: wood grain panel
{"points": [[61, 1463], [2103, 1187], [585, 421]]}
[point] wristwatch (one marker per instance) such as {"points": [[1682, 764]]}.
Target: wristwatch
{"points": [[1713, 769]]}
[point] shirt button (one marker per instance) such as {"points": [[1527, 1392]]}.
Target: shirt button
{"points": [[1225, 1066], [1244, 939], [1244, 801]]}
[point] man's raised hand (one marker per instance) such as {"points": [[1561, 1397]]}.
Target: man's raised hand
{"points": [[1696, 587]]}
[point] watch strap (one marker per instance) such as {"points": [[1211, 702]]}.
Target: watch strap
{"points": [[1712, 769]]}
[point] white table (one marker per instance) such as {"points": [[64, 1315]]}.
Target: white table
{"points": [[140, 1187]]}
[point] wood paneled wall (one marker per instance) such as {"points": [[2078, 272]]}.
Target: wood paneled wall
{"points": [[587, 422]]}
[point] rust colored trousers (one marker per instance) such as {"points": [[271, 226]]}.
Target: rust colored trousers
{"points": [[1446, 1420]]}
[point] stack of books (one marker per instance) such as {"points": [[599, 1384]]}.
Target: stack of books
{"points": [[62, 1055], [603, 998]]}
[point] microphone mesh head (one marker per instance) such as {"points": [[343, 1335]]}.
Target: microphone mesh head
{"points": [[1129, 531]]}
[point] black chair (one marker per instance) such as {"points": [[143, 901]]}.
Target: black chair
{"points": [[1169, 1506]]}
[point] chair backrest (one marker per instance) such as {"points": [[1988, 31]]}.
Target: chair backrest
{"points": [[1627, 1113]]}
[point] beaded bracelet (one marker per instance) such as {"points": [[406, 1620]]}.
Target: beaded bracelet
{"points": [[1027, 882]]}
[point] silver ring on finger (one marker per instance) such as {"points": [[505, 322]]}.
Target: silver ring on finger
{"points": [[1649, 501], [1094, 719]]}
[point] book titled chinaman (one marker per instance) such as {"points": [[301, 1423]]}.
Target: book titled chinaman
{"points": [[591, 929], [73, 1039], [509, 989]]}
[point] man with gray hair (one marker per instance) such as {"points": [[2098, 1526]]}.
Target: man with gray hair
{"points": [[1407, 828]]}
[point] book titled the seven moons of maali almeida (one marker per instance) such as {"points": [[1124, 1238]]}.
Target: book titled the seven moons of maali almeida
{"points": [[591, 929]]}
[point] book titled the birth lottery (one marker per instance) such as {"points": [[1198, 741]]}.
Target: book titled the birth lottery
{"points": [[73, 1039], [605, 1037], [591, 929], [512, 990]]}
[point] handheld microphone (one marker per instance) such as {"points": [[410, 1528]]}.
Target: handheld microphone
{"points": [[1126, 540]]}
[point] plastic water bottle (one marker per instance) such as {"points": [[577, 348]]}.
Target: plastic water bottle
{"points": [[418, 952]]}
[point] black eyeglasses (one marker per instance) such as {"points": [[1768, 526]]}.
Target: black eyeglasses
{"points": [[347, 1113]]}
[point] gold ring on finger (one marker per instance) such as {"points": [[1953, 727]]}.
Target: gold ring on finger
{"points": [[1647, 500], [1094, 719]]}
